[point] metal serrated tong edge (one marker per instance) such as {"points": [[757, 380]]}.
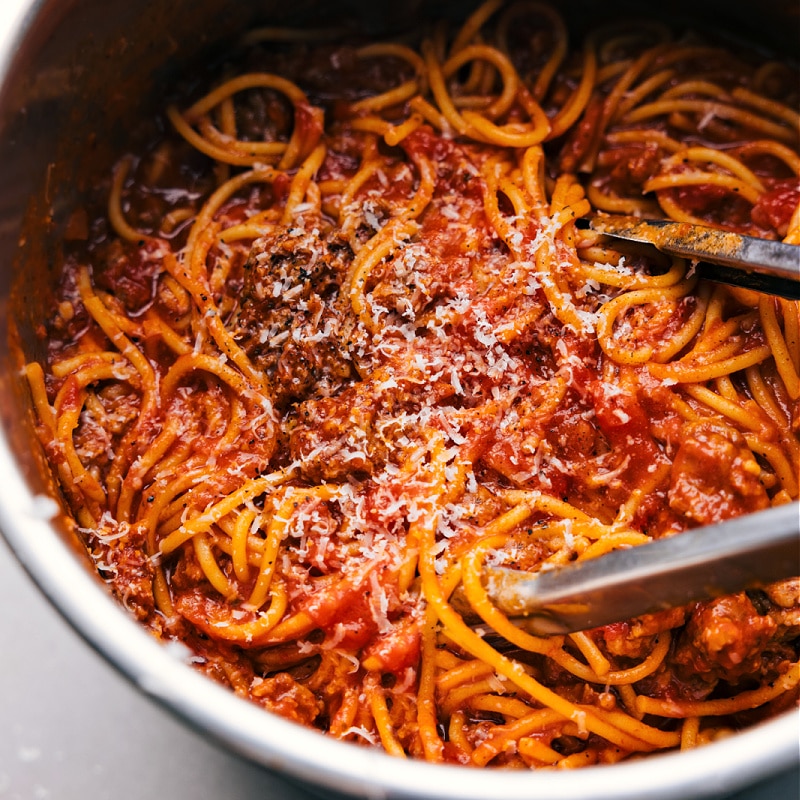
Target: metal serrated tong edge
{"points": [[733, 258]]}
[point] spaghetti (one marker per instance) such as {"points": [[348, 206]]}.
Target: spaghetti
{"points": [[336, 343]]}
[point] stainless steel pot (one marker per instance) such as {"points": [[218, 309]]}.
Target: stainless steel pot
{"points": [[73, 75]]}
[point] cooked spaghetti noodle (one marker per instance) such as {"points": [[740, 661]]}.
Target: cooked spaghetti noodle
{"points": [[336, 343]]}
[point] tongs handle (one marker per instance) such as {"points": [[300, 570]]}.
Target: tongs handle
{"points": [[742, 553]]}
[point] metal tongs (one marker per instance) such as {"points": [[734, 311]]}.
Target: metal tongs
{"points": [[740, 554], [759, 264]]}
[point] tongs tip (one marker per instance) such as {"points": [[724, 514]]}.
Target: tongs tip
{"points": [[762, 265]]}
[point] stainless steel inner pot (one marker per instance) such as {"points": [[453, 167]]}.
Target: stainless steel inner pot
{"points": [[75, 75]]}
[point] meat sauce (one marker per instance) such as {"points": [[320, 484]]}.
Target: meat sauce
{"points": [[466, 347]]}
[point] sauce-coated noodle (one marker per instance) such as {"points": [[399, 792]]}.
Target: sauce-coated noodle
{"points": [[335, 343]]}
